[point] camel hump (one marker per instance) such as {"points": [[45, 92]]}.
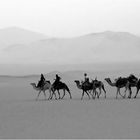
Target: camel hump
{"points": [[132, 78]]}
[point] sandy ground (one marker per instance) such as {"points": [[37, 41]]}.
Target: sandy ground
{"points": [[23, 117]]}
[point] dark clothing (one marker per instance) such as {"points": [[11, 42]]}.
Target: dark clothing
{"points": [[57, 78], [42, 77], [57, 81], [41, 81], [86, 82]]}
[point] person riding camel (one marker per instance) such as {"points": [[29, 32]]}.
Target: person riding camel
{"points": [[41, 81], [57, 80], [86, 79]]}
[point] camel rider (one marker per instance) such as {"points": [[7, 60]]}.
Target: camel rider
{"points": [[86, 79], [41, 81], [57, 78]]}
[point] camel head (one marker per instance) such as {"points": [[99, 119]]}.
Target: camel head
{"points": [[33, 84], [78, 84], [107, 79], [77, 81]]}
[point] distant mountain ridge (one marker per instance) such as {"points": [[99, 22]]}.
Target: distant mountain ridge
{"points": [[20, 46], [16, 35]]}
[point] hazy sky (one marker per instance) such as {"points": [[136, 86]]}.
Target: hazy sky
{"points": [[66, 18]]}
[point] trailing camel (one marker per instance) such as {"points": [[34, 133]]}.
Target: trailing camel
{"points": [[52, 88], [47, 86]]}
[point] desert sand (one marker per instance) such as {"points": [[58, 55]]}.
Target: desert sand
{"points": [[23, 117]]}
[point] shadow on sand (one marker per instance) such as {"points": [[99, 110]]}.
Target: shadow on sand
{"points": [[74, 99]]}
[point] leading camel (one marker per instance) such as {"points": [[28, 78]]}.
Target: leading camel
{"points": [[128, 82], [134, 82], [138, 88], [119, 83]]}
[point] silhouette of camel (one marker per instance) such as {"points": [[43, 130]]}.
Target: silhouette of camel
{"points": [[133, 82], [100, 86], [85, 88], [47, 86], [138, 88], [60, 86], [119, 83]]}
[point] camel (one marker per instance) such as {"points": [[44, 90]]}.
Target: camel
{"points": [[60, 86], [133, 82], [84, 87], [119, 83], [138, 88], [100, 86], [47, 86]]}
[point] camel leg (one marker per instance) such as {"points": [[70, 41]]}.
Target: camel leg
{"points": [[63, 94], [59, 94], [93, 94], [55, 96], [125, 91], [121, 94], [53, 93], [50, 96], [44, 94], [38, 95], [82, 95], [99, 92], [130, 92], [137, 92], [117, 93], [104, 91], [87, 94], [70, 94], [96, 93]]}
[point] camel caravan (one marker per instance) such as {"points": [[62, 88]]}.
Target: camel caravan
{"points": [[92, 89]]}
